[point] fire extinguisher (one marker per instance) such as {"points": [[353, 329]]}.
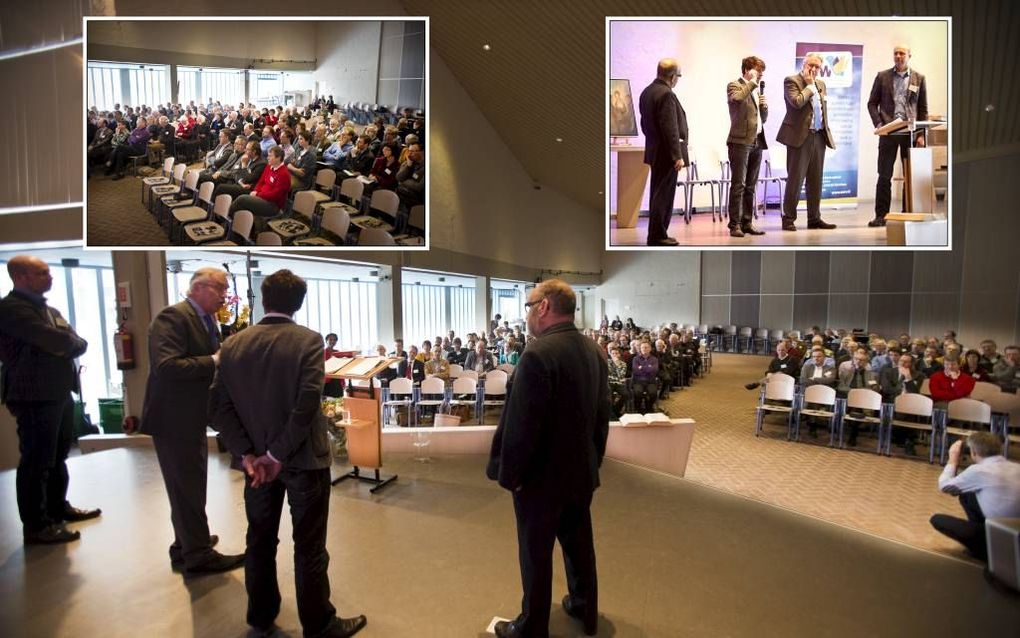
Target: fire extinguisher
{"points": [[124, 346]]}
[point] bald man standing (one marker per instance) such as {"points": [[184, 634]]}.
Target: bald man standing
{"points": [[37, 349], [899, 92], [664, 125]]}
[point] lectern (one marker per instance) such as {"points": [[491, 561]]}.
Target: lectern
{"points": [[364, 438], [917, 225]]}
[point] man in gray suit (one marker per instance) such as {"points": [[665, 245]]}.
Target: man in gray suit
{"points": [[748, 112], [183, 351], [899, 92], [805, 132], [815, 372], [664, 125], [265, 401]]}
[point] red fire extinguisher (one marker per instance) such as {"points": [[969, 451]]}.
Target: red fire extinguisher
{"points": [[124, 346]]}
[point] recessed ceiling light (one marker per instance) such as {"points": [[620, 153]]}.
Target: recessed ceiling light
{"points": [[559, 139], [989, 108], [486, 47], [600, 192]]}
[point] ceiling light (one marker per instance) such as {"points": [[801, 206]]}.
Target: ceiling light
{"points": [[989, 108], [600, 192], [559, 139], [486, 47]]}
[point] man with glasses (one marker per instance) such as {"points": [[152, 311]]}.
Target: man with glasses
{"points": [[547, 451], [664, 125], [805, 132], [38, 348], [184, 344]]}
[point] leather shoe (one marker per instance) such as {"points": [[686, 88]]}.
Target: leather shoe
{"points": [[877, 222], [344, 627], [215, 564], [577, 612], [669, 241], [752, 386], [821, 225], [73, 514], [789, 226], [506, 629], [736, 232], [177, 562], [751, 230], [51, 535]]}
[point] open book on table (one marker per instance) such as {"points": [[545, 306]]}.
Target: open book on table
{"points": [[644, 420]]}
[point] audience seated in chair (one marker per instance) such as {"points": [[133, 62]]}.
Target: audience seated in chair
{"points": [[134, 145], [269, 195], [644, 378], [950, 383]]}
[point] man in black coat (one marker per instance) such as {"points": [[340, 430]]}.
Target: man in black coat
{"points": [[37, 349], [547, 452], [664, 125], [265, 401], [184, 344]]}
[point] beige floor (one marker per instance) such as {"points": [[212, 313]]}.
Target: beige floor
{"points": [[891, 497], [852, 230]]}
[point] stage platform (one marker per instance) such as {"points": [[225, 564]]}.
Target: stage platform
{"points": [[852, 230], [435, 555]]}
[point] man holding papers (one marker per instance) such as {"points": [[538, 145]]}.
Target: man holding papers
{"points": [[898, 93]]}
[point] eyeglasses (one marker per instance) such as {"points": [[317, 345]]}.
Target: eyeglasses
{"points": [[529, 304]]}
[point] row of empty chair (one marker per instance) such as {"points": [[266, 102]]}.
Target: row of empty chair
{"points": [[433, 394], [720, 186]]}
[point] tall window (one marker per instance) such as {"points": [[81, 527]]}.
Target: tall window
{"points": [[435, 303], [111, 83], [204, 84], [84, 295], [508, 300], [402, 64], [278, 88]]}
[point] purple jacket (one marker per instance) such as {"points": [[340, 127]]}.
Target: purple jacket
{"points": [[139, 136], [644, 368]]}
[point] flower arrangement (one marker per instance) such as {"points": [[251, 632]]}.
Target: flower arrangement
{"points": [[233, 316]]}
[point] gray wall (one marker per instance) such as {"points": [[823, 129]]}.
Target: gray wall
{"points": [[973, 289]]}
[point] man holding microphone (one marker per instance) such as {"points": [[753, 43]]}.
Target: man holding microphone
{"points": [[748, 112]]}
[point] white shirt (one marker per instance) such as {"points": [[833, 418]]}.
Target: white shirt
{"points": [[995, 480], [757, 106]]}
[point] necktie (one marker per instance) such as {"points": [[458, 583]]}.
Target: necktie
{"points": [[214, 336], [816, 106]]}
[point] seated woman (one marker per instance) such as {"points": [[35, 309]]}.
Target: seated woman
{"points": [[972, 365], [302, 163], [136, 144], [510, 353], [619, 393], [644, 378], [385, 167], [269, 195], [100, 147]]}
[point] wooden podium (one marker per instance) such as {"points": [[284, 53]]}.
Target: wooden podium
{"points": [[364, 436], [917, 225], [631, 177]]}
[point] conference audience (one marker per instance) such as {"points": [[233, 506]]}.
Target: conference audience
{"points": [[302, 163], [411, 177], [385, 167], [135, 145], [1007, 371], [480, 359]]}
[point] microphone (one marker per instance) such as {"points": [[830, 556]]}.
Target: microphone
{"points": [[761, 86]]}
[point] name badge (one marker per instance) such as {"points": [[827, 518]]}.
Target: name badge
{"points": [[782, 366], [415, 176], [61, 322], [388, 171], [913, 88]]}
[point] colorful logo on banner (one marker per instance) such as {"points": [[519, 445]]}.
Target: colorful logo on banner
{"points": [[841, 72]]}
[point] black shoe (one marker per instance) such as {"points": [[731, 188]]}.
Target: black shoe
{"points": [[908, 448], [51, 535], [789, 226], [506, 629], [753, 386], [820, 225], [751, 230], [73, 514], [577, 612], [215, 564], [736, 232], [344, 627], [877, 222], [177, 562], [669, 241]]}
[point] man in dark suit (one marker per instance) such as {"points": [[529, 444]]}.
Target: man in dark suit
{"points": [[664, 125], [265, 401], [748, 112], [805, 132], [547, 452], [412, 367], [184, 344], [900, 92], [37, 349]]}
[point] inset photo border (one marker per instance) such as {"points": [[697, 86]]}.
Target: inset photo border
{"points": [[187, 119], [882, 90]]}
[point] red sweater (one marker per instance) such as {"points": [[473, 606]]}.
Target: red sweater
{"points": [[943, 388], [274, 185]]}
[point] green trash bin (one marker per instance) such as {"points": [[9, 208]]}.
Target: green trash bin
{"points": [[111, 416]]}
